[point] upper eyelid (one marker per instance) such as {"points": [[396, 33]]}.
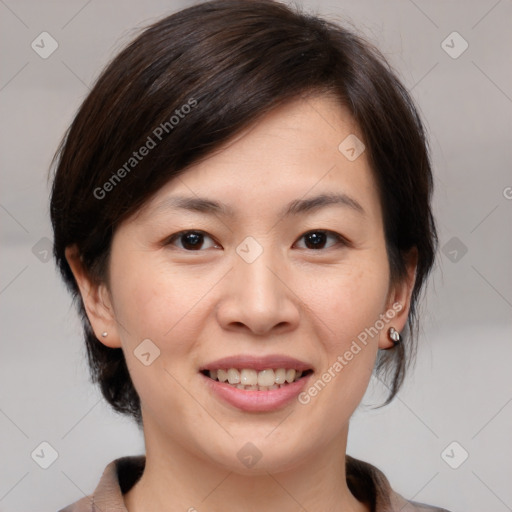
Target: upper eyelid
{"points": [[178, 234], [338, 236]]}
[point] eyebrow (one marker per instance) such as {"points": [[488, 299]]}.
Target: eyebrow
{"points": [[295, 207]]}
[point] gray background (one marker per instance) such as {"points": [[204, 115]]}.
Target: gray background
{"points": [[461, 388]]}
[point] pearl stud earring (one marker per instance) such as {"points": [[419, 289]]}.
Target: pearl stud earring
{"points": [[394, 336]]}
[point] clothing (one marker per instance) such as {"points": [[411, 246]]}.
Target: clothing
{"points": [[367, 483]]}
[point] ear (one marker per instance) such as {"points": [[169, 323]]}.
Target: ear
{"points": [[399, 299], [96, 299]]}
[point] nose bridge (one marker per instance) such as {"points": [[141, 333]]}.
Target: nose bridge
{"points": [[253, 265], [257, 296]]}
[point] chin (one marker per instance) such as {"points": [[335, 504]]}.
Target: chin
{"points": [[259, 454]]}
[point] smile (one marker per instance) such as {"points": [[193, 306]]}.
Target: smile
{"points": [[256, 383], [249, 379]]}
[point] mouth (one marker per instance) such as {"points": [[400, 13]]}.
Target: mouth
{"points": [[256, 384], [249, 379]]}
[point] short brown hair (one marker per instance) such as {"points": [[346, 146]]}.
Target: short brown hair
{"points": [[236, 59]]}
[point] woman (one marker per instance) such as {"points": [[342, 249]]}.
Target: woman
{"points": [[242, 209]]}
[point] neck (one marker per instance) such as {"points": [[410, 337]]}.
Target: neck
{"points": [[176, 479]]}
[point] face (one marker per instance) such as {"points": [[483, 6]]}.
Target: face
{"points": [[271, 253]]}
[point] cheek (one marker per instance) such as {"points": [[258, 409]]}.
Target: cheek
{"points": [[348, 308], [155, 302], [149, 299], [353, 299], [166, 305]]}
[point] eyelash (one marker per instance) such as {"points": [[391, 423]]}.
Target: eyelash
{"points": [[339, 238]]}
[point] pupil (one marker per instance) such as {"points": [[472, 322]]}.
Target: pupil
{"points": [[192, 239], [316, 239]]}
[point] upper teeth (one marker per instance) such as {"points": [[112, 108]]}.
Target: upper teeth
{"points": [[250, 377]]}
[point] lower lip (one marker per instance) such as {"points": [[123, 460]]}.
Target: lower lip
{"points": [[256, 401]]}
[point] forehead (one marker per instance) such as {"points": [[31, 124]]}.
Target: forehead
{"points": [[298, 150]]}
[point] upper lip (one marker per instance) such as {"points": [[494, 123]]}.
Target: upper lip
{"points": [[258, 363]]}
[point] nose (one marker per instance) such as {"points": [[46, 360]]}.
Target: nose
{"points": [[259, 297]]}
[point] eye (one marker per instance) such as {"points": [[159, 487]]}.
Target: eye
{"points": [[191, 240], [317, 239]]}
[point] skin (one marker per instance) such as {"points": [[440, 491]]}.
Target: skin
{"points": [[198, 305]]}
